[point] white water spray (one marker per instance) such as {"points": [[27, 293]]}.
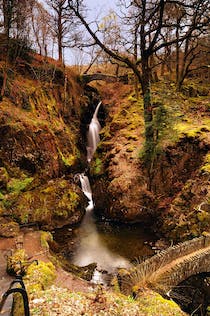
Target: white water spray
{"points": [[92, 247], [86, 189], [93, 134]]}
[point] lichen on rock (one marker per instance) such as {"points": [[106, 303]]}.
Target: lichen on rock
{"points": [[54, 204]]}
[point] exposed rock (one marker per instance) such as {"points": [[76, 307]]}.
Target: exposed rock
{"points": [[4, 177], [54, 204], [40, 136], [178, 163], [8, 228], [188, 214], [120, 188], [171, 196]]}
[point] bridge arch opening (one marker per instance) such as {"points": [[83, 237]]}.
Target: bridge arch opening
{"points": [[193, 294]]}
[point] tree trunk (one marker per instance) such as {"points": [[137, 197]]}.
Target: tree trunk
{"points": [[177, 52], [148, 118], [60, 38], [7, 12], [4, 83]]}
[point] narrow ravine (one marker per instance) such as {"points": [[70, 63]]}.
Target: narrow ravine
{"points": [[110, 246]]}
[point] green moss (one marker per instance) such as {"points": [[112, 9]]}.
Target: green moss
{"points": [[16, 261], [1, 196], [68, 201], [152, 304], [206, 165], [40, 276], [45, 238], [18, 185], [97, 166], [130, 149], [190, 129], [68, 159], [57, 200]]}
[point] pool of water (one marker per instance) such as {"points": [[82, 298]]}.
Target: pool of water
{"points": [[109, 245]]}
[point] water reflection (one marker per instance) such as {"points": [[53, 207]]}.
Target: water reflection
{"points": [[93, 248], [109, 245]]}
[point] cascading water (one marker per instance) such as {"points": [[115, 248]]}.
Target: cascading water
{"points": [[86, 189], [93, 246], [92, 140], [93, 134]]}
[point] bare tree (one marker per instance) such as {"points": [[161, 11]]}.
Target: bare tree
{"points": [[194, 23], [146, 17], [15, 17], [64, 26], [41, 28]]}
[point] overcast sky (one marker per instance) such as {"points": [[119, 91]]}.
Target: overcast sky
{"points": [[105, 5], [96, 8]]}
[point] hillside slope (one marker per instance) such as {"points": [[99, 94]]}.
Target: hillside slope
{"points": [[39, 147], [174, 199]]}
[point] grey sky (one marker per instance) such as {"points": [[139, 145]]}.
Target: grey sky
{"points": [[96, 8], [104, 5]]}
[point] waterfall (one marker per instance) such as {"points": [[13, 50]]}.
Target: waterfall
{"points": [[92, 140], [93, 134], [85, 184], [92, 247]]}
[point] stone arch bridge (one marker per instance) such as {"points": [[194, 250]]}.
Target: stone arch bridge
{"points": [[86, 78], [170, 267]]}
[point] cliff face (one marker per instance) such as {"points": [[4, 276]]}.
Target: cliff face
{"points": [[120, 184], [174, 199], [40, 128]]}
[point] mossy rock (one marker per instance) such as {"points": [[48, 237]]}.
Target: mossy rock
{"points": [[4, 178], [8, 228], [54, 204], [18, 185], [39, 276], [151, 303], [85, 272], [15, 262]]}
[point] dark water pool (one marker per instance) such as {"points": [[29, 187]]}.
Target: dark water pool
{"points": [[110, 245]]}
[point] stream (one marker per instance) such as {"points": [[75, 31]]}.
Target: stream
{"points": [[109, 245]]}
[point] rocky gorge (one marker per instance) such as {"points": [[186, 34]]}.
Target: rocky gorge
{"points": [[43, 123]]}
